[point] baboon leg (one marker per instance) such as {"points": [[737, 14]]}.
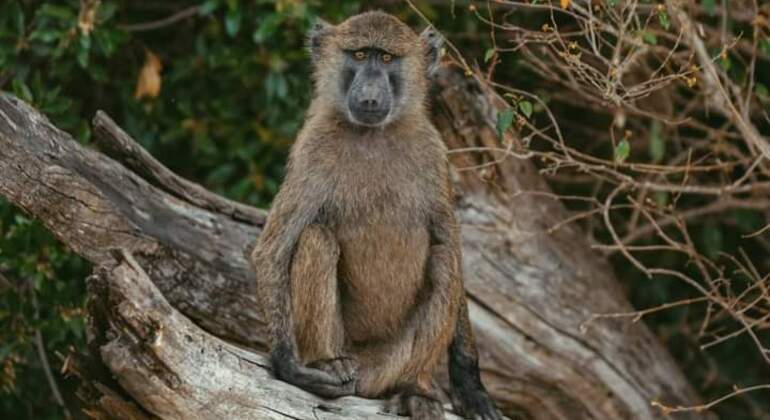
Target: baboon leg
{"points": [[393, 368], [469, 396], [407, 363], [418, 404], [315, 301]]}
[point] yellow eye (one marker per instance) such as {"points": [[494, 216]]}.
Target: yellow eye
{"points": [[387, 58], [360, 55]]}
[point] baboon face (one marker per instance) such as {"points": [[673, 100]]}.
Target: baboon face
{"points": [[371, 86], [372, 68]]}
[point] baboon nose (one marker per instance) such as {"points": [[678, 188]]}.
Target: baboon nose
{"points": [[369, 104]]}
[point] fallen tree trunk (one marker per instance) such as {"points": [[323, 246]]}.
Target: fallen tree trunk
{"points": [[175, 370], [183, 248]]}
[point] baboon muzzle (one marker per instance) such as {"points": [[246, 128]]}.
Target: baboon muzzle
{"points": [[370, 98]]}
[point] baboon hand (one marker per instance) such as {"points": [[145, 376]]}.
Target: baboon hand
{"points": [[344, 368], [317, 381]]}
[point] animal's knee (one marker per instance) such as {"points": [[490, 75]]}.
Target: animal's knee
{"points": [[318, 244]]}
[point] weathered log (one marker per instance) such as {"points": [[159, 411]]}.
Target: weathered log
{"points": [[93, 204], [175, 370], [529, 290]]}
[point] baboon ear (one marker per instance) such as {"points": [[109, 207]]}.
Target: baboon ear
{"points": [[320, 30], [434, 44]]}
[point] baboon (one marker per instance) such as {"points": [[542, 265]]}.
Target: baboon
{"points": [[359, 262]]}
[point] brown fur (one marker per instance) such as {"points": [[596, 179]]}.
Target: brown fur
{"points": [[360, 256]]}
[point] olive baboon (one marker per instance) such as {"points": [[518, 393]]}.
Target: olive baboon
{"points": [[359, 262]]}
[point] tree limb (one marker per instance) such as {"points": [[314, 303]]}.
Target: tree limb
{"points": [[175, 370], [120, 146]]}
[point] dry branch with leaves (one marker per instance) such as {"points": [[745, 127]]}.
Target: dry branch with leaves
{"points": [[658, 113]]}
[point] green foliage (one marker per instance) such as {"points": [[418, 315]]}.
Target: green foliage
{"points": [[42, 289], [622, 151], [526, 108], [663, 19], [649, 38], [504, 121], [657, 142], [489, 54]]}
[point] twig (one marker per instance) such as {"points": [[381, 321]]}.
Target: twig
{"points": [[40, 346], [719, 96], [638, 315], [161, 23], [666, 410]]}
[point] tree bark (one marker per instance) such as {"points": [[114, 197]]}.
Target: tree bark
{"points": [[165, 247]]}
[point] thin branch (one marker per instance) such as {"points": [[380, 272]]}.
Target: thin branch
{"points": [[161, 23], [666, 410], [40, 346]]}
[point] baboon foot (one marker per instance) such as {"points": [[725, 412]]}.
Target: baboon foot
{"points": [[417, 407]]}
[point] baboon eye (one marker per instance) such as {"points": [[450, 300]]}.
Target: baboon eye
{"points": [[387, 58], [360, 55]]}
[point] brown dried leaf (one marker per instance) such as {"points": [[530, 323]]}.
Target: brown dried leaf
{"points": [[87, 15], [565, 4], [149, 81]]}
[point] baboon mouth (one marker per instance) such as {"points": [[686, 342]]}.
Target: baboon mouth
{"points": [[370, 117]]}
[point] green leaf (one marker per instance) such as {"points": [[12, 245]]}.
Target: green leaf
{"points": [[764, 46], [748, 221], [665, 22], [762, 92], [649, 38], [526, 108], [712, 240], [84, 47], [45, 35], [233, 22], [612, 3], [726, 63], [504, 121], [489, 54], [267, 27], [105, 42], [661, 198], [20, 28], [107, 11], [21, 90], [657, 142], [208, 7], [710, 6], [56, 12], [622, 151]]}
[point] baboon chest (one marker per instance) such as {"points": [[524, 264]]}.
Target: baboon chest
{"points": [[381, 224]]}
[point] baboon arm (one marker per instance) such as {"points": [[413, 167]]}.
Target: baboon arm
{"points": [[433, 321], [294, 208], [292, 211]]}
